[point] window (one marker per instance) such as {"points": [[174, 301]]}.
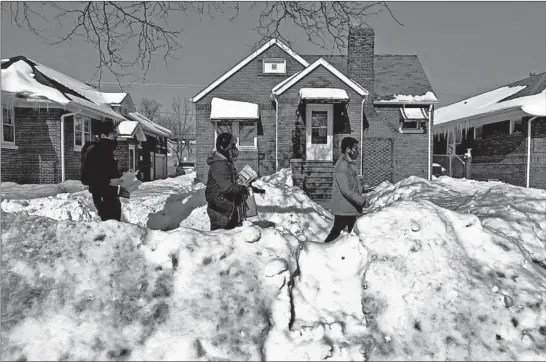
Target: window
{"points": [[132, 158], [245, 131], [8, 125], [412, 120], [478, 133], [82, 130], [319, 127], [274, 66]]}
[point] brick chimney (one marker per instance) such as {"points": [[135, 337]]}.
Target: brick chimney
{"points": [[360, 56]]}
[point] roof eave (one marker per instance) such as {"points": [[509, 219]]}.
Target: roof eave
{"points": [[401, 103]]}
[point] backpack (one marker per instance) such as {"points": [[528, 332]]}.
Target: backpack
{"points": [[86, 175]]}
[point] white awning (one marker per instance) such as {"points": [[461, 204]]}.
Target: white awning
{"points": [[333, 94], [414, 113], [225, 109], [130, 129]]}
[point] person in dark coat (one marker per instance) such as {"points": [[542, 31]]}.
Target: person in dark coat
{"points": [[102, 174], [346, 201], [225, 197]]}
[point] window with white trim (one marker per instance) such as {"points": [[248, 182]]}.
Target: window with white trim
{"points": [[245, 131], [8, 125], [412, 120], [82, 130], [274, 66]]}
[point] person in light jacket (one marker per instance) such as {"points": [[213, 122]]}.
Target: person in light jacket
{"points": [[347, 201]]}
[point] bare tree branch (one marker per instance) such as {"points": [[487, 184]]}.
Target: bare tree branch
{"points": [[181, 122], [149, 108], [114, 28]]}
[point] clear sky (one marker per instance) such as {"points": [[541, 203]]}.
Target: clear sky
{"points": [[465, 47]]}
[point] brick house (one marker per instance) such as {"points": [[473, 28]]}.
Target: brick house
{"points": [[505, 130], [291, 110], [47, 117], [143, 143]]}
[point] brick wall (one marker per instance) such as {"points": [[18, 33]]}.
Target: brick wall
{"points": [[37, 159], [247, 85]]}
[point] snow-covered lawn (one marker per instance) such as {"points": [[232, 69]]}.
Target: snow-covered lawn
{"points": [[442, 270]]}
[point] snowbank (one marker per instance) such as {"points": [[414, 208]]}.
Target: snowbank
{"points": [[443, 270]]}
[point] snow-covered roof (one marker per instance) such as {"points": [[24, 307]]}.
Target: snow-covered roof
{"points": [[474, 111], [19, 78], [321, 62], [24, 76], [324, 93], [526, 97], [150, 125], [114, 98], [427, 98], [247, 60], [226, 109]]}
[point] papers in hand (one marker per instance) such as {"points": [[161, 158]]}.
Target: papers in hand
{"points": [[247, 175], [129, 181]]}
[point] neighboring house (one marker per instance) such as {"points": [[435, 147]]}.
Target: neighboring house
{"points": [[505, 128], [291, 110], [147, 152], [47, 117]]}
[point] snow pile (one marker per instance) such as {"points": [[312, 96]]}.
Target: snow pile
{"points": [[13, 191], [443, 270], [282, 206], [103, 291], [427, 97], [160, 201], [442, 286], [225, 109]]}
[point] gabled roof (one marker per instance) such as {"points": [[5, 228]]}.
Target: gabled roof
{"points": [[527, 95], [321, 62], [247, 60], [35, 81]]}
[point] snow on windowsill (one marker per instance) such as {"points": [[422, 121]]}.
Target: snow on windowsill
{"points": [[78, 148], [10, 146]]}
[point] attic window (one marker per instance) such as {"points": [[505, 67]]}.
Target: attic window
{"points": [[274, 66]]}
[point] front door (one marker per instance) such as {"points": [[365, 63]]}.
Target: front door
{"points": [[319, 132]]}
